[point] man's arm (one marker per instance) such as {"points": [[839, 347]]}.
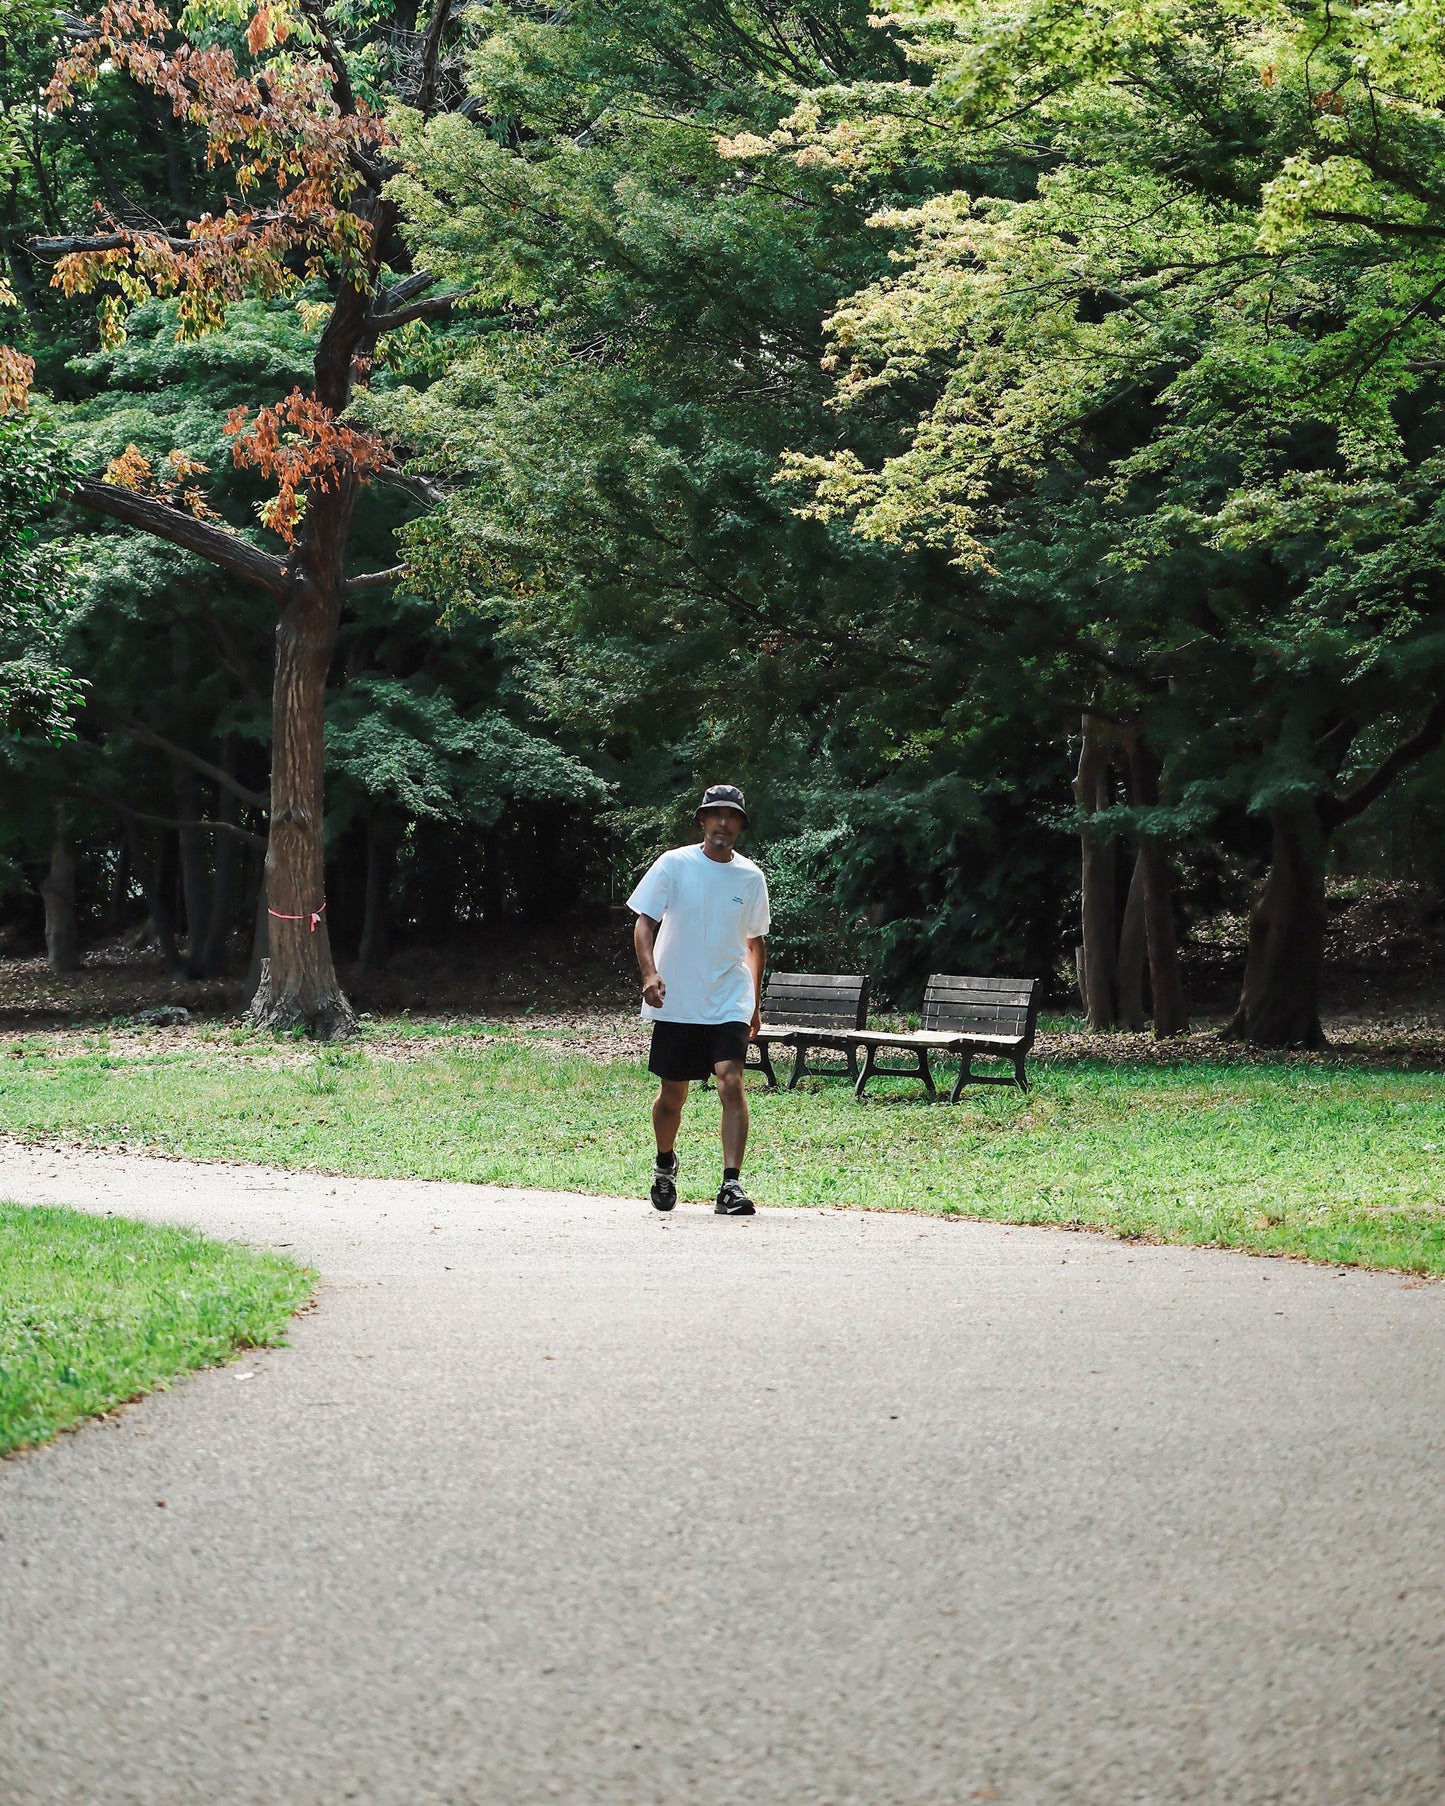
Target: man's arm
{"points": [[757, 959], [644, 940]]}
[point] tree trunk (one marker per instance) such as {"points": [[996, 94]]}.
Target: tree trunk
{"points": [[1279, 1004], [119, 890], [1166, 981], [376, 926], [57, 891], [1091, 794], [195, 868], [157, 882], [1132, 936], [228, 865], [298, 986]]}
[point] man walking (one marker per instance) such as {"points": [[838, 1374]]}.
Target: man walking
{"points": [[702, 913]]}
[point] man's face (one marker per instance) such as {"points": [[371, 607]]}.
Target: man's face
{"points": [[720, 828]]}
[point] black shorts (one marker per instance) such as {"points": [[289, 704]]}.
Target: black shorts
{"points": [[690, 1050]]}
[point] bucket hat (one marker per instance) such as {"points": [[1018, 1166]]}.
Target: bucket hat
{"points": [[724, 796]]}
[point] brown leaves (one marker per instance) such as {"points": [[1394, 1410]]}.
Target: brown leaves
{"points": [[302, 445], [276, 122], [16, 372], [132, 470]]}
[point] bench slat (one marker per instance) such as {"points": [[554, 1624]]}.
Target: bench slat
{"points": [[823, 1000], [827, 981]]}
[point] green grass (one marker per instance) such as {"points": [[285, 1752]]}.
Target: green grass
{"points": [[98, 1310], [1332, 1162]]}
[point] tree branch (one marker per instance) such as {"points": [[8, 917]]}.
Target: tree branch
{"points": [[1335, 810], [431, 309], [164, 821], [219, 545], [405, 290], [413, 486], [426, 89], [117, 721], [103, 241], [375, 579]]}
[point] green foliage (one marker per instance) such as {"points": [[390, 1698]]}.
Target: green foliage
{"points": [[95, 1311], [1173, 390], [38, 695], [407, 744]]}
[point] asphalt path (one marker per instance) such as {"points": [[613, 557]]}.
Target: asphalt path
{"points": [[555, 1500]]}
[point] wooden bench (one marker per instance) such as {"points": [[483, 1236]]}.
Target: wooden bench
{"points": [[963, 1017], [811, 1009]]}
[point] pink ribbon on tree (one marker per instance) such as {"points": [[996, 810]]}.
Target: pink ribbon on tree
{"points": [[315, 916]]}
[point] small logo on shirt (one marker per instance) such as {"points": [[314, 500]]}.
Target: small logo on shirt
{"points": [[737, 899]]}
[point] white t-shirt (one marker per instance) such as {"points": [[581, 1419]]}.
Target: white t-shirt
{"points": [[709, 910]]}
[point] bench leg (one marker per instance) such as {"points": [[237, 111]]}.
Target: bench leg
{"points": [[1021, 1078], [965, 1073], [800, 1064], [870, 1060], [850, 1053], [925, 1074], [765, 1065]]}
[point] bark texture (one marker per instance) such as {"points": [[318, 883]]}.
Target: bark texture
{"points": [[298, 986], [1279, 1004]]}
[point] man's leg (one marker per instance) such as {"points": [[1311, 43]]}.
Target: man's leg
{"points": [[732, 1200], [734, 1100], [667, 1113], [666, 1116]]}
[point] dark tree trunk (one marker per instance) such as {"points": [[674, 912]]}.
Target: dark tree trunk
{"points": [[1279, 1004], [376, 925], [157, 878], [228, 866], [1132, 935], [298, 986], [1166, 981], [195, 868], [1097, 954], [57, 891], [119, 890]]}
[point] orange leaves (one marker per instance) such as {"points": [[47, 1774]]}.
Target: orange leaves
{"points": [[301, 445], [16, 372], [272, 121], [269, 25], [132, 470]]}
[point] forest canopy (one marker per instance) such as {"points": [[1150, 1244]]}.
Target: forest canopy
{"points": [[1006, 437]]}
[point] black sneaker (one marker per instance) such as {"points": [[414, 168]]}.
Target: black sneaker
{"points": [[664, 1186], [732, 1200]]}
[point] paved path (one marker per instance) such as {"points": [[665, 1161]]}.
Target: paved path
{"points": [[555, 1500]]}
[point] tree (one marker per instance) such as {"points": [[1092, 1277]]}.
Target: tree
{"points": [[38, 694], [281, 108], [1185, 321]]}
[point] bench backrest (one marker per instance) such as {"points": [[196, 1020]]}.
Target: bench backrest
{"points": [[991, 1006], [815, 1000]]}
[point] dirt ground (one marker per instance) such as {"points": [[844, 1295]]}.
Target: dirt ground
{"points": [[573, 985]]}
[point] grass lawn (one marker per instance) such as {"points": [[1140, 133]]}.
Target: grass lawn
{"points": [[97, 1310], [1337, 1163]]}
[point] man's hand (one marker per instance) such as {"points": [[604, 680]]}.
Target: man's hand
{"points": [[644, 936], [756, 1023]]}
